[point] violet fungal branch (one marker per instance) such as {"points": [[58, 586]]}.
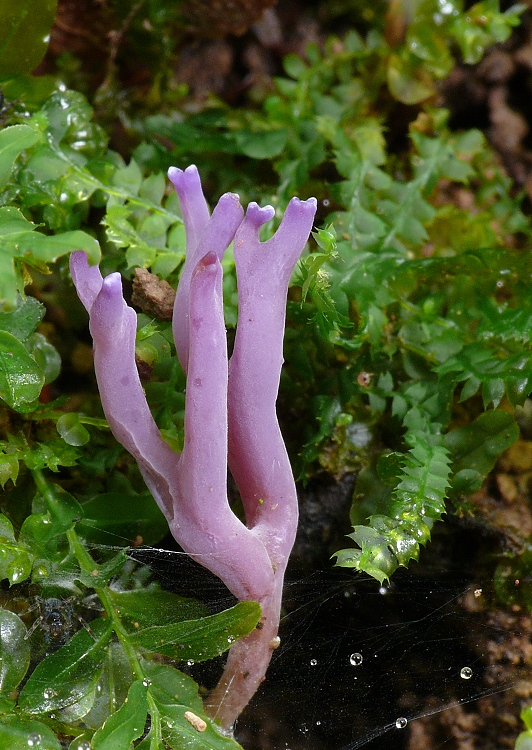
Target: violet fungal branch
{"points": [[258, 458], [229, 411]]}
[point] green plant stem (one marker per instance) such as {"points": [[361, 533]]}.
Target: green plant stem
{"points": [[88, 565], [54, 415]]}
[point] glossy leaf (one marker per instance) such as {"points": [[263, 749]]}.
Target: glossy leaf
{"points": [[122, 516], [21, 378], [15, 139], [175, 695], [71, 429], [46, 356], [127, 724], [67, 676], [15, 559], [24, 319], [17, 732], [146, 607], [200, 639], [14, 651]]}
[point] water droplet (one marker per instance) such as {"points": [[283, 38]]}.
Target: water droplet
{"points": [[83, 745], [49, 693], [313, 662], [466, 673], [146, 682], [356, 659], [231, 639], [34, 740], [190, 662], [401, 722], [318, 723], [383, 590]]}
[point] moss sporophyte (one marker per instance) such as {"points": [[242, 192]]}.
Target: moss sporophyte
{"points": [[230, 416]]}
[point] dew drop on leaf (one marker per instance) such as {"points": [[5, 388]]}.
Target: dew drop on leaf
{"points": [[466, 673], [83, 745], [34, 740], [356, 659], [313, 662], [401, 722]]}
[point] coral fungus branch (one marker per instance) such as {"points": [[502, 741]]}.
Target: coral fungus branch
{"points": [[229, 411]]}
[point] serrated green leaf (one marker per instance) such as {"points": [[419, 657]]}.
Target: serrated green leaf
{"points": [[146, 607], [67, 676], [201, 639], [127, 724], [14, 651], [9, 468], [176, 694], [476, 447], [21, 378], [15, 559]]}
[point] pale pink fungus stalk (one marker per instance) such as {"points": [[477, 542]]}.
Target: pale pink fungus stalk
{"points": [[229, 412]]}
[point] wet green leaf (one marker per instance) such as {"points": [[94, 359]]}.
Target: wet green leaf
{"points": [[127, 724], [46, 356], [14, 651], [17, 731], [200, 639], [15, 559], [175, 695], [21, 378], [24, 319], [67, 676], [15, 139]]}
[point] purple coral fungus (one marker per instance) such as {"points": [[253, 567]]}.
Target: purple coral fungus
{"points": [[230, 412]]}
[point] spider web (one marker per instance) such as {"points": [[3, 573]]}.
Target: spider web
{"points": [[363, 665]]}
